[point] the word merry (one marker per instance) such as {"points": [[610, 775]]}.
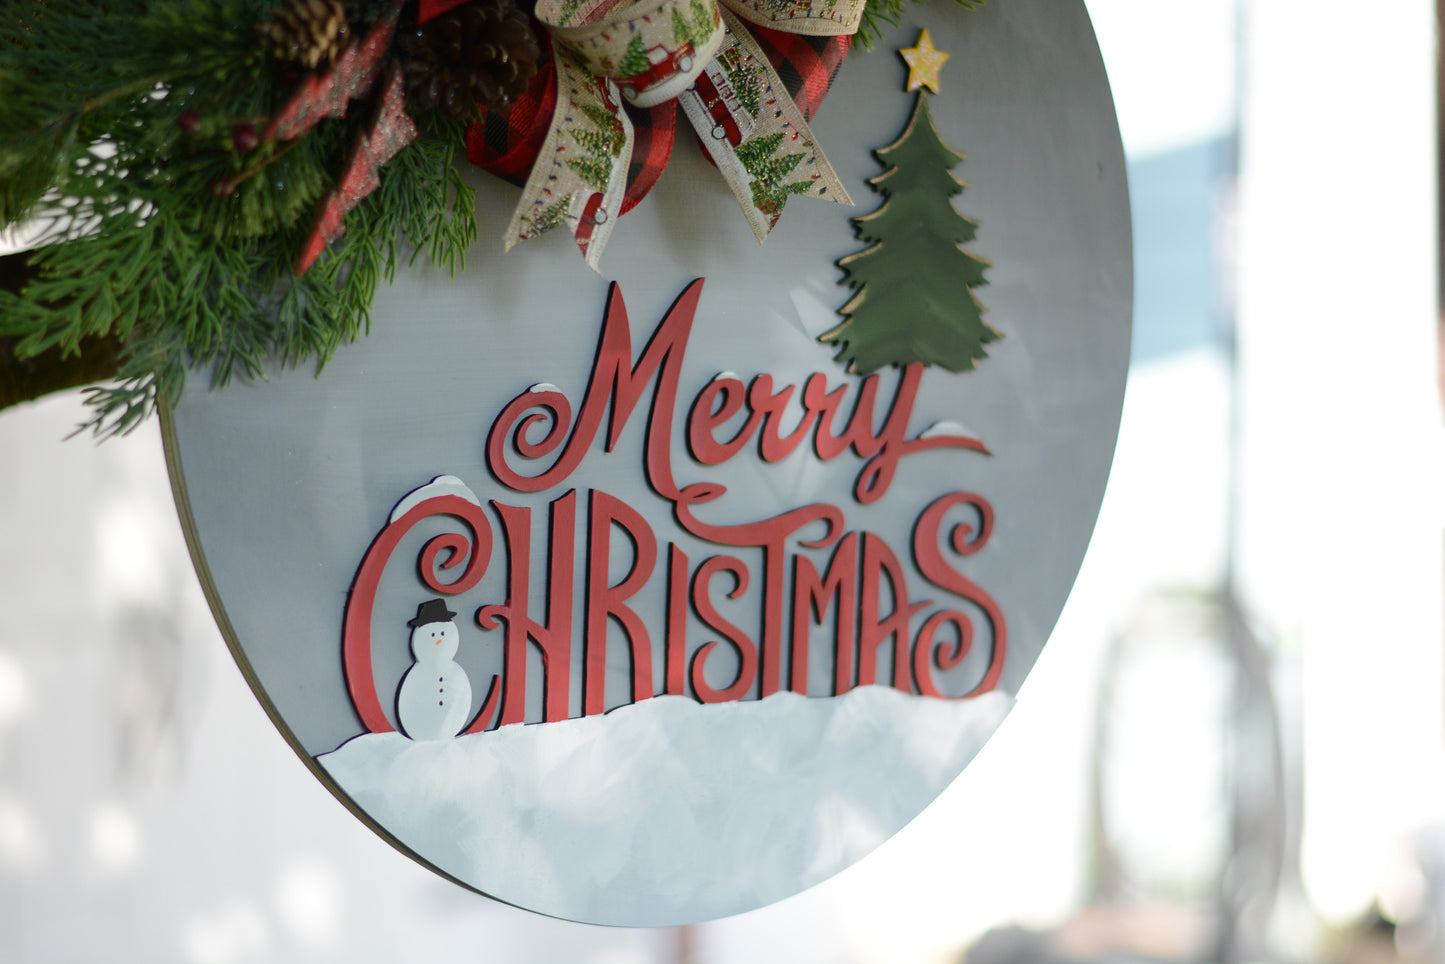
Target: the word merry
{"points": [[804, 567]]}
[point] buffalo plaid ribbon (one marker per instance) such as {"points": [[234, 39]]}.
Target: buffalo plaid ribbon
{"points": [[506, 143], [806, 64], [804, 56]]}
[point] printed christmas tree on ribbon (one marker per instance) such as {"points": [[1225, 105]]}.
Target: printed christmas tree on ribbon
{"points": [[694, 27], [768, 170], [744, 82], [915, 283], [634, 59], [602, 143], [577, 180]]}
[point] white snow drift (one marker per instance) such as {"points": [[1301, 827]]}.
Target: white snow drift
{"points": [[667, 810]]}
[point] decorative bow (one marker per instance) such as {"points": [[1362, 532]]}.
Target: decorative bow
{"points": [[662, 54], [587, 163]]}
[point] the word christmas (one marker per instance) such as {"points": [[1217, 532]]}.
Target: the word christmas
{"points": [[803, 568]]}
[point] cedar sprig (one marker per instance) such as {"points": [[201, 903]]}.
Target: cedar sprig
{"points": [[228, 307], [117, 122], [870, 30]]}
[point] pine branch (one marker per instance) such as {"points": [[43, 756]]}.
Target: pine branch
{"points": [[171, 237], [25, 379], [870, 29]]}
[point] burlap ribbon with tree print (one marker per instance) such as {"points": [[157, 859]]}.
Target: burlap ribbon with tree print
{"points": [[655, 56]]}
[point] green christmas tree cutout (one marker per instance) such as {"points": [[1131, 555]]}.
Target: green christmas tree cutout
{"points": [[915, 283]]}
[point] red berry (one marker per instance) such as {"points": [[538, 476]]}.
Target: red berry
{"points": [[223, 187], [245, 138], [189, 123]]}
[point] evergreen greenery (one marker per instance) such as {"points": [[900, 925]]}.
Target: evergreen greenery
{"points": [[127, 130], [877, 12], [129, 133]]}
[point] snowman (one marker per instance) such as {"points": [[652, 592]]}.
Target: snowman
{"points": [[435, 695]]}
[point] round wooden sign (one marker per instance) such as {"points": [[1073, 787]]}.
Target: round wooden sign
{"points": [[660, 593]]}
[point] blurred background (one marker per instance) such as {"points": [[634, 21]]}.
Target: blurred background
{"points": [[1231, 750]]}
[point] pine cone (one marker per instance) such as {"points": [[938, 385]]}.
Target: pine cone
{"points": [[306, 32], [482, 52]]}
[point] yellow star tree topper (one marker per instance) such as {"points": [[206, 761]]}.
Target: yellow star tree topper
{"points": [[924, 62]]}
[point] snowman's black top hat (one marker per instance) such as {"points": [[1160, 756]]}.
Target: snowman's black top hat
{"points": [[432, 611]]}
